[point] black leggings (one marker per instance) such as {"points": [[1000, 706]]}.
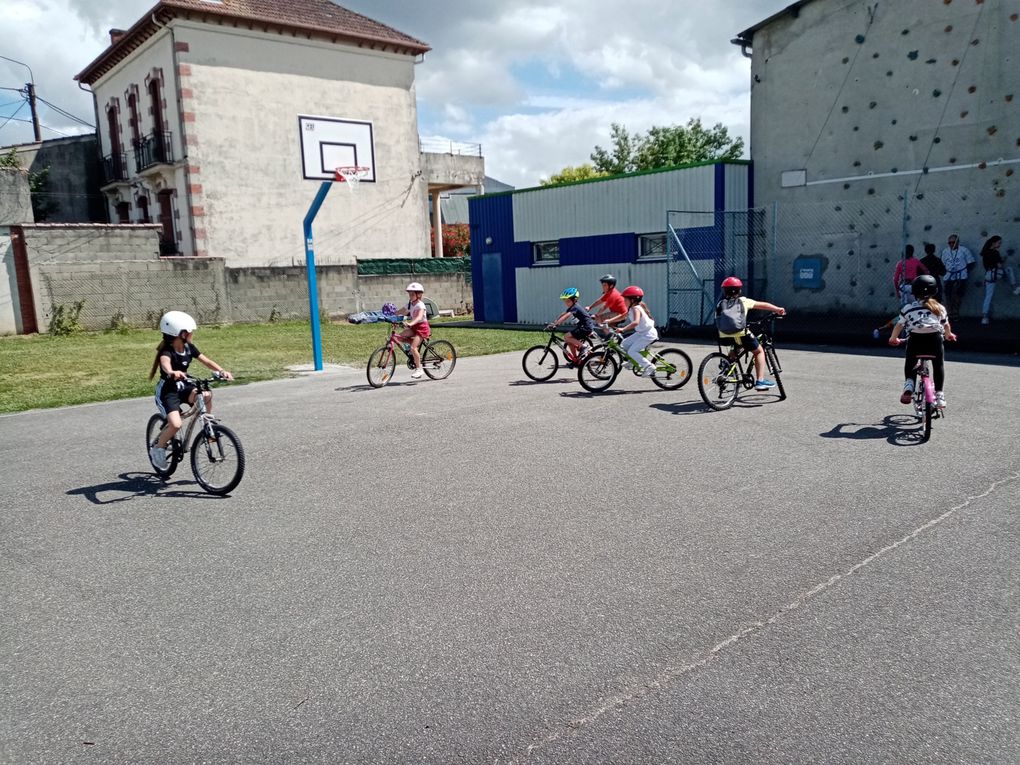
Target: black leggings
{"points": [[928, 344]]}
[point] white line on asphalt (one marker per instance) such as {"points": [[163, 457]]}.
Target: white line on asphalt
{"points": [[670, 674]]}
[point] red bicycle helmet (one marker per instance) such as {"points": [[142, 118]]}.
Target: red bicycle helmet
{"points": [[732, 282], [633, 292]]}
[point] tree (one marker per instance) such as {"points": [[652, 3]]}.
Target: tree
{"points": [[456, 240], [571, 174], [666, 146]]}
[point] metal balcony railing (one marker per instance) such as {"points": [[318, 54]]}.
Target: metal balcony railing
{"points": [[115, 168], [154, 149], [168, 247], [440, 146]]}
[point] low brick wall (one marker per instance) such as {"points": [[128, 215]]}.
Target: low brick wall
{"points": [[117, 274]]}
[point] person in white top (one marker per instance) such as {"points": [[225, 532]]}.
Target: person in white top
{"points": [[927, 323], [416, 326], [959, 261], [639, 320]]}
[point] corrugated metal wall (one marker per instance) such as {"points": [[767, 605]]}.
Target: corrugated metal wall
{"points": [[737, 187], [634, 204], [538, 289]]}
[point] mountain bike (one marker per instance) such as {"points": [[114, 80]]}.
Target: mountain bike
{"points": [[540, 362], [438, 358], [724, 374], [217, 457], [599, 370]]}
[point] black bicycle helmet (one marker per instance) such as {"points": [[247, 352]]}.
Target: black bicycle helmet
{"points": [[608, 279], [924, 286]]}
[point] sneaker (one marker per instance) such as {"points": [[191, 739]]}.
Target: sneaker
{"points": [[764, 385], [158, 457], [1016, 290], [650, 372], [984, 320], [940, 399], [908, 392], [417, 374]]}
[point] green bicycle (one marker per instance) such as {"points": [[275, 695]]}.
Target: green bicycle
{"points": [[600, 369], [723, 375]]}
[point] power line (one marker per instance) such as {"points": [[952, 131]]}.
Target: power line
{"points": [[29, 122], [14, 115], [67, 114]]}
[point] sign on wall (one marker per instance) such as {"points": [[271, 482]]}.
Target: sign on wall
{"points": [[331, 142]]}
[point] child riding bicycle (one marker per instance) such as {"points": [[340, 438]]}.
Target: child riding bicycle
{"points": [[174, 355], [640, 320], [610, 305], [416, 327], [731, 322], [582, 331], [926, 321]]}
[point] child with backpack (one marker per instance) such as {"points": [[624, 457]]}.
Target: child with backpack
{"points": [[731, 322]]}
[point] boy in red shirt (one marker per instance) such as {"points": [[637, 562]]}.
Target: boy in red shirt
{"points": [[611, 305]]}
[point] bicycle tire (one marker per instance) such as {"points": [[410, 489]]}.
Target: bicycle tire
{"points": [[774, 368], [218, 466], [928, 416], [682, 366], [598, 372], [543, 360], [152, 430], [381, 366], [439, 359], [719, 381]]}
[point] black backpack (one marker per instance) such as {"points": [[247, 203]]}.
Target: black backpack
{"points": [[730, 316]]}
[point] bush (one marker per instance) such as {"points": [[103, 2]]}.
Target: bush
{"points": [[64, 320]]}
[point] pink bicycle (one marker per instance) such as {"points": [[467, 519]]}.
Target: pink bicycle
{"points": [[438, 358], [924, 395]]}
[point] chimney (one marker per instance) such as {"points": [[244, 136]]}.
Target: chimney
{"points": [[116, 35]]}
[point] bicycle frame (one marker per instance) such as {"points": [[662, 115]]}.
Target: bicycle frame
{"points": [[195, 414], [924, 395], [742, 357], [395, 344], [614, 344]]}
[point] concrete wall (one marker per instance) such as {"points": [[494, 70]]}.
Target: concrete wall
{"points": [[884, 107], [72, 188], [246, 92], [117, 272], [15, 197]]}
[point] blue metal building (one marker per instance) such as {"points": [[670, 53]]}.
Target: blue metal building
{"points": [[662, 229]]}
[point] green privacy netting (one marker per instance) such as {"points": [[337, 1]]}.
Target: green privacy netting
{"points": [[383, 266]]}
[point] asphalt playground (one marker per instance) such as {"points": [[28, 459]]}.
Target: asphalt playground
{"points": [[490, 570]]}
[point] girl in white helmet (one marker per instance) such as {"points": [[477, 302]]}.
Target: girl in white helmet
{"points": [[416, 326], [173, 356]]}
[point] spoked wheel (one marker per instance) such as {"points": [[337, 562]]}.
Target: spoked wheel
{"points": [[540, 363], [598, 372], [719, 381], [173, 453], [439, 360], [928, 416], [673, 369], [217, 461], [773, 363], [381, 365]]}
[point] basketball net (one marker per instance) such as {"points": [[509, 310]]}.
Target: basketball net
{"points": [[351, 175]]}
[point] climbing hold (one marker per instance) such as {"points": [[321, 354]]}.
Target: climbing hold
{"points": [[972, 89], [878, 145], [963, 114], [859, 39], [872, 105], [992, 130], [936, 93], [912, 55]]}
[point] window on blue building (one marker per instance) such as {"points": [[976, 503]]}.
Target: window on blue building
{"points": [[545, 252], [651, 246]]}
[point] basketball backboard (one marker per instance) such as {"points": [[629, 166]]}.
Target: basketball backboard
{"points": [[331, 142]]}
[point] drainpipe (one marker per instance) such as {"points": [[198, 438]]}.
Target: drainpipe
{"points": [[182, 131], [745, 46], [99, 144]]}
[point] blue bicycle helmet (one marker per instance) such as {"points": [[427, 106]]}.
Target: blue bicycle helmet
{"points": [[570, 292]]}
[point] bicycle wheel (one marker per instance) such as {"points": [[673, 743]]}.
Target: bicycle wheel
{"points": [[719, 380], [173, 454], [381, 365], [598, 372], [540, 363], [217, 462], [773, 364], [439, 359], [673, 368]]}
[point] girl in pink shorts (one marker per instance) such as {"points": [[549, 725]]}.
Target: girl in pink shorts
{"points": [[416, 326]]}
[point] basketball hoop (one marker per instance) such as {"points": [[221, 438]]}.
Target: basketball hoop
{"points": [[351, 175]]}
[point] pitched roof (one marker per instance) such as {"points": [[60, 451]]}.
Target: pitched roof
{"points": [[321, 19]]}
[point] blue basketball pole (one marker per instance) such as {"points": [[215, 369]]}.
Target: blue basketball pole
{"points": [[313, 287]]}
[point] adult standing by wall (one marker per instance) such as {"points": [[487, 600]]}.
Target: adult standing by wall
{"points": [[908, 268], [959, 261], [995, 271], [935, 267]]}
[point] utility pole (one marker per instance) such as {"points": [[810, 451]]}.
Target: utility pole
{"points": [[30, 90]]}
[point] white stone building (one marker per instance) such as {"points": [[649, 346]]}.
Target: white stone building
{"points": [[198, 107]]}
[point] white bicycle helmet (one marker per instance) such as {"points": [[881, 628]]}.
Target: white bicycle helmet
{"points": [[175, 322], [414, 287]]}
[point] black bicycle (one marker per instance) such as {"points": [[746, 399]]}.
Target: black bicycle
{"points": [[724, 374], [541, 362], [217, 457]]}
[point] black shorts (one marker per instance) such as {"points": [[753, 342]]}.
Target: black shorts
{"points": [[580, 333], [169, 397], [749, 341]]}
